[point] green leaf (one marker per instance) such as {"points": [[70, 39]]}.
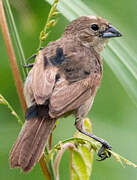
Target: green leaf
{"points": [[119, 57], [16, 38], [82, 156]]}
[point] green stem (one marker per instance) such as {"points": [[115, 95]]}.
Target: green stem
{"points": [[16, 37], [96, 146], [49, 162], [93, 144], [45, 168], [5, 102], [51, 167], [49, 23]]}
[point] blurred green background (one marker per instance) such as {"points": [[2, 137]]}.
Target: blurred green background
{"points": [[114, 115]]}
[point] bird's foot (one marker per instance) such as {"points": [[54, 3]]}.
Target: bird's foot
{"points": [[102, 153]]}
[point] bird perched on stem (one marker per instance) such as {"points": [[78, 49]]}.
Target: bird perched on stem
{"points": [[64, 79]]}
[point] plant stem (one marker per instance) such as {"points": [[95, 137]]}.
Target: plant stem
{"points": [[49, 23], [16, 37], [95, 145], [5, 102], [51, 167], [49, 163], [59, 156], [50, 141], [44, 168], [12, 57]]}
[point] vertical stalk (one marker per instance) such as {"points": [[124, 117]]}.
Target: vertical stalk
{"points": [[12, 57], [45, 168], [50, 141], [49, 163], [16, 37]]}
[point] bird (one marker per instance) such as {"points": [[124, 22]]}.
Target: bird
{"points": [[64, 80]]}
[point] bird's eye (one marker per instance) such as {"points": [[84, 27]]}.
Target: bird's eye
{"points": [[95, 27]]}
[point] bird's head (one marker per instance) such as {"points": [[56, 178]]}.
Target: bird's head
{"points": [[91, 31]]}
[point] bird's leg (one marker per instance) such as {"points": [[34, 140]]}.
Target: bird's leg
{"points": [[33, 55], [105, 145], [28, 65]]}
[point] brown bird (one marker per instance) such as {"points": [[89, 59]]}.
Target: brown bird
{"points": [[65, 78]]}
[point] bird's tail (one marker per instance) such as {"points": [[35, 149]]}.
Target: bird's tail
{"points": [[31, 141]]}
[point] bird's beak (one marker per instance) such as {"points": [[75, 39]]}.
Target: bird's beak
{"points": [[111, 31]]}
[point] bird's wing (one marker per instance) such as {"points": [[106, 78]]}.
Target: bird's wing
{"points": [[73, 86], [43, 79], [67, 97]]}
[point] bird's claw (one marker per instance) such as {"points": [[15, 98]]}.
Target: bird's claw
{"points": [[102, 153]]}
